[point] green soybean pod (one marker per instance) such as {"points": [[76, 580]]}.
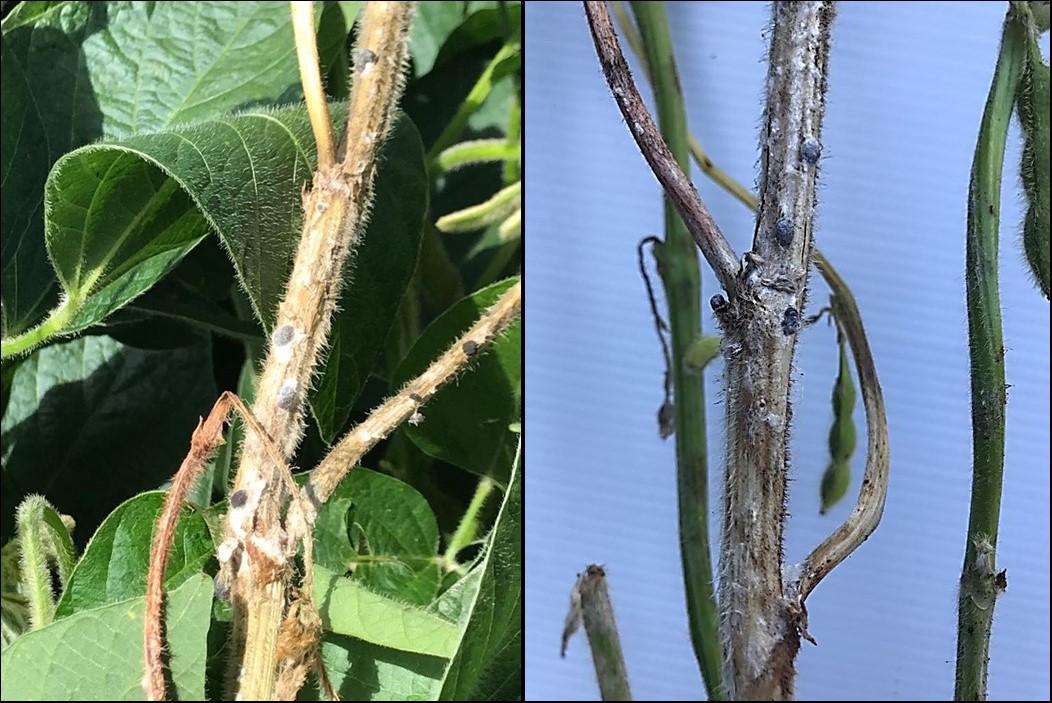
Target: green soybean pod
{"points": [[1032, 104], [844, 390], [842, 439], [842, 435], [835, 481]]}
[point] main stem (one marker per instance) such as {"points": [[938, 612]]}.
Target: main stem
{"points": [[336, 209], [759, 626]]}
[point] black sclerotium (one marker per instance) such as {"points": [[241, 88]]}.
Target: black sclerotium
{"points": [[222, 589], [363, 57], [783, 232], [287, 397], [810, 151], [415, 397], [283, 335], [717, 303], [238, 498], [470, 347], [790, 321]]}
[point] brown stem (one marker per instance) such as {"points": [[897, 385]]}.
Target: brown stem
{"points": [[714, 246], [207, 436], [760, 631]]}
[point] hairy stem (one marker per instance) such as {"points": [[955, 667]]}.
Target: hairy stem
{"points": [[398, 408], [336, 210], [864, 519], [683, 290], [978, 588], [467, 530], [759, 630]]}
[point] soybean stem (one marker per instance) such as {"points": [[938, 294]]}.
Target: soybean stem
{"points": [[986, 352], [682, 282]]}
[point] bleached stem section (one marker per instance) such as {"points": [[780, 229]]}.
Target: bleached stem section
{"points": [[759, 625], [401, 406], [258, 543]]}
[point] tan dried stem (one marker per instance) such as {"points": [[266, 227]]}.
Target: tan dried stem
{"points": [[760, 628], [257, 545], [310, 77], [398, 408], [869, 508]]}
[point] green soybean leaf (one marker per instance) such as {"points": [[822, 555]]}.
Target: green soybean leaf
{"points": [[441, 92], [393, 675], [350, 608], [123, 417], [488, 663], [436, 21], [486, 607], [115, 563], [97, 654], [383, 530], [67, 70], [466, 423], [1032, 104]]}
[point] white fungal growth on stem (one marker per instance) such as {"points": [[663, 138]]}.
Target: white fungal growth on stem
{"points": [[759, 627]]}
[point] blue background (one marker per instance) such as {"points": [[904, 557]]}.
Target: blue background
{"points": [[907, 88]]}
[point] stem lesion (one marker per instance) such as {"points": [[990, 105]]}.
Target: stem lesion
{"points": [[275, 627], [762, 618]]}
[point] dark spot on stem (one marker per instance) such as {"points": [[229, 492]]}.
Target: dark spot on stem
{"points": [[783, 232], [363, 57], [810, 151], [283, 335], [470, 347], [415, 397], [222, 589], [286, 397], [718, 303], [790, 321], [238, 498], [312, 495]]}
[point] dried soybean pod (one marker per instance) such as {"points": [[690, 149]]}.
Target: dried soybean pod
{"points": [[1032, 103]]}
